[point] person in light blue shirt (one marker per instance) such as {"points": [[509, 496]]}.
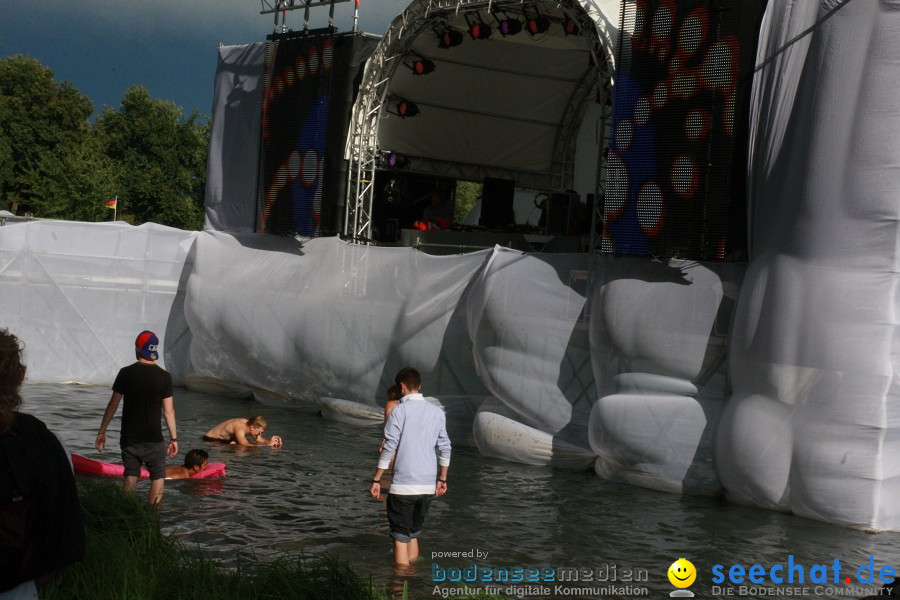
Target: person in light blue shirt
{"points": [[413, 431]]}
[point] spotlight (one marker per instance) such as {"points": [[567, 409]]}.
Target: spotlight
{"points": [[570, 26], [479, 30], [538, 24], [395, 160], [450, 38], [509, 26], [405, 108], [422, 66]]}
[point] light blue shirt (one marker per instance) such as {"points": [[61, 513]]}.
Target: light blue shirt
{"points": [[414, 429]]}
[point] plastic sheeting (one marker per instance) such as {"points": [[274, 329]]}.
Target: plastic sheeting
{"points": [[813, 425], [507, 342], [526, 320], [658, 346], [231, 171], [560, 360], [77, 294], [327, 319]]}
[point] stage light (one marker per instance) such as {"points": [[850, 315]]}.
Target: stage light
{"points": [[570, 27], [405, 108], [450, 38], [509, 26], [395, 160], [538, 24], [479, 30], [422, 66]]}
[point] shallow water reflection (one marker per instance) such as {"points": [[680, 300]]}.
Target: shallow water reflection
{"points": [[312, 496]]}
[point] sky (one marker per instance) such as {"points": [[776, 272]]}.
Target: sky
{"points": [[104, 47]]}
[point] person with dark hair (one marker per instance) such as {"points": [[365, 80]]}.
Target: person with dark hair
{"points": [[414, 429], [237, 431], [147, 392], [438, 214], [194, 461], [41, 527], [393, 399]]}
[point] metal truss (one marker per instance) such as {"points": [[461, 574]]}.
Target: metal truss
{"points": [[363, 152], [281, 7]]}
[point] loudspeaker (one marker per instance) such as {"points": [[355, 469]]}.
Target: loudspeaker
{"points": [[497, 203], [562, 214]]}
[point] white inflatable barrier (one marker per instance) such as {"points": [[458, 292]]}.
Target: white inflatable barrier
{"points": [[351, 413], [499, 435]]}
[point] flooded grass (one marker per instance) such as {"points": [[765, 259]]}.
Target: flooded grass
{"points": [[129, 558]]}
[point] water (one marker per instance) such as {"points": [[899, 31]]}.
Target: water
{"points": [[311, 496]]}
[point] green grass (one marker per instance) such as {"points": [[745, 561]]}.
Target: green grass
{"points": [[128, 558]]}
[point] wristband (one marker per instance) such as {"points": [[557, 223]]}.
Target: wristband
{"points": [[442, 480], [173, 440], [376, 481]]}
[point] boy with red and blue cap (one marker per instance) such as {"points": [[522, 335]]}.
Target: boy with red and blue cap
{"points": [[147, 391]]}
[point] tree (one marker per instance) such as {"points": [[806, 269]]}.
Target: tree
{"points": [[161, 158], [74, 181], [467, 195], [42, 123]]}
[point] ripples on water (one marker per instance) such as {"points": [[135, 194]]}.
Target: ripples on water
{"points": [[311, 496]]}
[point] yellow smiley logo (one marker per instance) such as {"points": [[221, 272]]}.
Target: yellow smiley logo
{"points": [[682, 573]]}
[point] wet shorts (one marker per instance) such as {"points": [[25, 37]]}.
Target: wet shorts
{"points": [[406, 514], [151, 454], [206, 438]]}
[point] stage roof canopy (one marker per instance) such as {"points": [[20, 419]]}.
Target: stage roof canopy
{"points": [[508, 104]]}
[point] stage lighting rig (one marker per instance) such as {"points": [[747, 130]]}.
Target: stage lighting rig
{"points": [[418, 64], [395, 160], [536, 24], [406, 108], [571, 27], [478, 29], [423, 66], [448, 37], [507, 25]]}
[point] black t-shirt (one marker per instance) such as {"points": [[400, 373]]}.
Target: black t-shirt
{"points": [[143, 387]]}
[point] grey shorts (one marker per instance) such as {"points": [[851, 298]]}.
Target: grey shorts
{"points": [[151, 454]]}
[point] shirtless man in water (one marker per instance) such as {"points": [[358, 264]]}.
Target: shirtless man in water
{"points": [[194, 461], [237, 431]]}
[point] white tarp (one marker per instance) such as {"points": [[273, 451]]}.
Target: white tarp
{"points": [[77, 294], [233, 147], [813, 425], [658, 345], [328, 319]]}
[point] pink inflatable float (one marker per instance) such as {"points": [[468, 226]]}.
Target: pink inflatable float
{"points": [[89, 466]]}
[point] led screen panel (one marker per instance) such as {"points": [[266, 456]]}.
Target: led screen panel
{"points": [[676, 160], [294, 134]]}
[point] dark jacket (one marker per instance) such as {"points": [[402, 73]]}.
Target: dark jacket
{"points": [[41, 528]]}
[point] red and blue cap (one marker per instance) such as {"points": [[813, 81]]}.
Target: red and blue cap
{"points": [[147, 345]]}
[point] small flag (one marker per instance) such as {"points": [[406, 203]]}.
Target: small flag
{"points": [[111, 203]]}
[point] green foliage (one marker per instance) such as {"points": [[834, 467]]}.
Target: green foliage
{"points": [[161, 158], [128, 558], [467, 195], [55, 163], [40, 122]]}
